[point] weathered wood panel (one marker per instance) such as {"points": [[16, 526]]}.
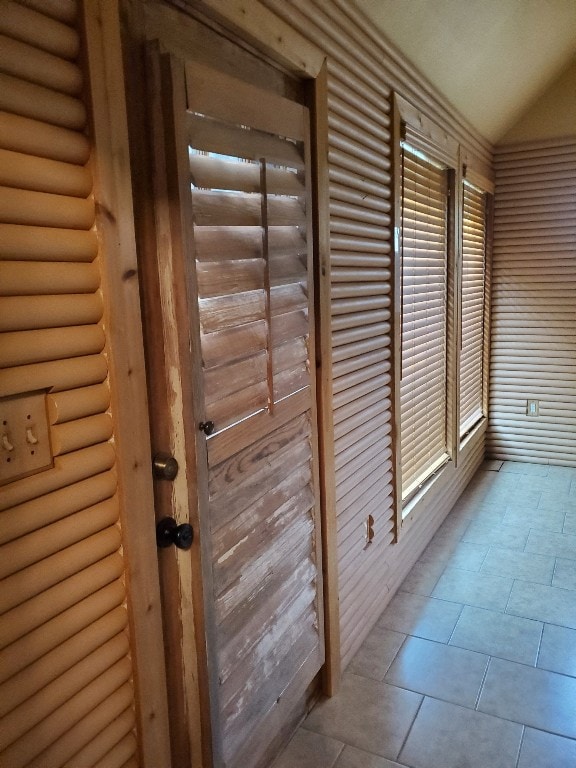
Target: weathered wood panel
{"points": [[253, 272]]}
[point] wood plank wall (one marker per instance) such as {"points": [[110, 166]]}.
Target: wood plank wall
{"points": [[534, 303], [65, 669], [362, 72]]}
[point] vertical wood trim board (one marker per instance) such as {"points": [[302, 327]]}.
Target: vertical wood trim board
{"points": [[125, 354], [360, 76], [66, 690], [534, 300]]}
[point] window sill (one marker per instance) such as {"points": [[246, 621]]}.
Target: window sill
{"points": [[409, 507], [480, 425]]}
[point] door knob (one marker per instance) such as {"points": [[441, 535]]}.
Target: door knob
{"points": [[164, 466], [168, 532]]}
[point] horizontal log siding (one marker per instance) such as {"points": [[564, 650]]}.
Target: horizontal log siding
{"points": [[362, 71], [66, 695], [534, 304]]}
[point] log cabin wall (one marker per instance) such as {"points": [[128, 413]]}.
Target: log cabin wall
{"points": [[363, 71], [534, 295], [70, 637], [64, 549]]}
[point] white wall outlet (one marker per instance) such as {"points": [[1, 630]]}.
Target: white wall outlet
{"points": [[532, 407]]}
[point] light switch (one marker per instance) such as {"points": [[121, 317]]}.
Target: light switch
{"points": [[532, 407], [24, 436]]}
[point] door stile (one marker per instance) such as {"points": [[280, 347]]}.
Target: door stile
{"points": [[189, 609], [318, 98], [314, 363]]}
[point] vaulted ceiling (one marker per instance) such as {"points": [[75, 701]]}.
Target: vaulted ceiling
{"points": [[490, 58]]}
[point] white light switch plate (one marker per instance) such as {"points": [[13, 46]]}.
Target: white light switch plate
{"points": [[24, 436]]}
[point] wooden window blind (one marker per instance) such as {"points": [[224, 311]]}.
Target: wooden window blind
{"points": [[473, 302], [424, 258]]}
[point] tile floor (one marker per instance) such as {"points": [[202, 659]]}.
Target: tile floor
{"points": [[473, 662]]}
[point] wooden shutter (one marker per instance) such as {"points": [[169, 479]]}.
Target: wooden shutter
{"points": [[423, 444], [473, 303], [251, 229], [533, 345], [249, 202], [66, 695]]}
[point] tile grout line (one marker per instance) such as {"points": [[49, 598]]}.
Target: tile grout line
{"points": [[338, 756], [539, 647], [409, 731], [482, 684], [447, 643], [520, 746], [508, 599]]}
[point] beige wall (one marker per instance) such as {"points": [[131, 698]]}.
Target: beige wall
{"points": [[534, 295], [551, 115], [534, 285]]}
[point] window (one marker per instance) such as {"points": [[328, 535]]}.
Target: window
{"points": [[441, 275], [471, 386], [424, 321]]}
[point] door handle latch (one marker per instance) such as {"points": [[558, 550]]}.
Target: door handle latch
{"points": [[168, 532], [164, 467]]}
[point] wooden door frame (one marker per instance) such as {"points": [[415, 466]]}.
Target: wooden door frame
{"points": [[250, 21], [125, 352], [279, 42]]}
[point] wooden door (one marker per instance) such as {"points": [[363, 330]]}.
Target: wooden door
{"points": [[233, 234]]}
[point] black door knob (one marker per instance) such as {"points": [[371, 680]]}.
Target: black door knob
{"points": [[168, 532], [164, 467], [183, 536]]}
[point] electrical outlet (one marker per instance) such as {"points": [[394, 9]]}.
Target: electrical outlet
{"points": [[24, 436], [532, 407]]}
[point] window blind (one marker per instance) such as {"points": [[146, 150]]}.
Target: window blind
{"points": [[424, 250], [472, 314]]}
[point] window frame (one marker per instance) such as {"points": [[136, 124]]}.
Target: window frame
{"points": [[414, 128], [439, 252], [479, 339], [480, 175]]}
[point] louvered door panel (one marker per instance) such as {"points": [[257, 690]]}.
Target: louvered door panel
{"points": [[534, 295], [251, 251], [250, 212]]}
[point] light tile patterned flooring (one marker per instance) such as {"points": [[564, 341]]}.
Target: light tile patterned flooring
{"points": [[473, 662]]}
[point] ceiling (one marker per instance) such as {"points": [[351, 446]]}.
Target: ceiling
{"points": [[490, 58]]}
